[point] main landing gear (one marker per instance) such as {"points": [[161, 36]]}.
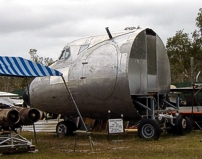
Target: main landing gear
{"points": [[156, 119], [181, 125], [149, 129], [65, 128]]}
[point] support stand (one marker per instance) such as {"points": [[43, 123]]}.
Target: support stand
{"points": [[90, 140], [11, 143]]}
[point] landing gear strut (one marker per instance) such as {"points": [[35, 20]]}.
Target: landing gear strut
{"points": [[182, 125]]}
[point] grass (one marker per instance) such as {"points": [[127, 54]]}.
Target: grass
{"points": [[168, 146]]}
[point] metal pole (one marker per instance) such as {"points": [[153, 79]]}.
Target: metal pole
{"points": [[192, 110], [147, 112], [30, 106], [74, 102], [192, 69], [152, 108], [28, 92], [192, 82], [34, 133], [108, 124], [177, 102]]}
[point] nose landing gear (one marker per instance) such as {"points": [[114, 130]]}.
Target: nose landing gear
{"points": [[65, 128]]}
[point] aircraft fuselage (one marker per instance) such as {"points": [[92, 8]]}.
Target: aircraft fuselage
{"points": [[105, 74]]}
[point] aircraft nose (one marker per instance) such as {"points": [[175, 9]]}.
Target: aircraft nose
{"points": [[26, 97]]}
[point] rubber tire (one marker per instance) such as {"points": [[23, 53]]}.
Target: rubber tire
{"points": [[72, 127], [189, 125], [171, 130], [180, 125], [62, 128], [149, 129], [65, 128]]}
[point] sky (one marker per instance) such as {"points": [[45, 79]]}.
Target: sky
{"points": [[48, 25]]}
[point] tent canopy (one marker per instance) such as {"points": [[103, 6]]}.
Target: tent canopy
{"points": [[20, 67]]}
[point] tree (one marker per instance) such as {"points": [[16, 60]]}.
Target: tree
{"points": [[180, 48], [43, 60], [199, 20]]}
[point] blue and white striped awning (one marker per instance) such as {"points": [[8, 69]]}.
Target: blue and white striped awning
{"points": [[18, 66]]}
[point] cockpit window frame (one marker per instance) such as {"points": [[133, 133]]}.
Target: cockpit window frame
{"points": [[66, 56], [83, 48]]}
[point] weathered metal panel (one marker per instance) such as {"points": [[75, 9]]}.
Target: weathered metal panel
{"points": [[163, 66], [152, 63], [148, 66], [152, 83], [74, 51], [96, 40], [138, 50], [137, 76], [137, 68], [151, 55], [100, 71]]}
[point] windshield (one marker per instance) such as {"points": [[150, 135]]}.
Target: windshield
{"points": [[65, 54]]}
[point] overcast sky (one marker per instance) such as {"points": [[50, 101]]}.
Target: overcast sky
{"points": [[47, 25]]}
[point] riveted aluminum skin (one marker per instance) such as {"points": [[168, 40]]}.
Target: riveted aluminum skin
{"points": [[103, 74]]}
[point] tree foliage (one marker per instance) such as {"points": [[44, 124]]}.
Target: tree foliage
{"points": [[181, 47], [46, 61], [199, 20]]}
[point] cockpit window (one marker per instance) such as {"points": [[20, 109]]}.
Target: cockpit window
{"points": [[65, 54], [83, 47]]}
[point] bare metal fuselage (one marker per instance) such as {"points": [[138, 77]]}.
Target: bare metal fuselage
{"points": [[105, 74]]}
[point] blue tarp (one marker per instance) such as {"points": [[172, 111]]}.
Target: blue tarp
{"points": [[18, 66]]}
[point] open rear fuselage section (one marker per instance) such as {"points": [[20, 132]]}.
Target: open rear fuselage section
{"points": [[105, 74]]}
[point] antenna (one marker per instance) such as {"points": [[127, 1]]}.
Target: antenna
{"points": [[108, 32]]}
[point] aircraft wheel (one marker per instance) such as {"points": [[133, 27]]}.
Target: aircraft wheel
{"points": [[189, 125], [72, 127], [170, 128], [62, 128], [149, 129], [65, 128], [181, 125]]}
